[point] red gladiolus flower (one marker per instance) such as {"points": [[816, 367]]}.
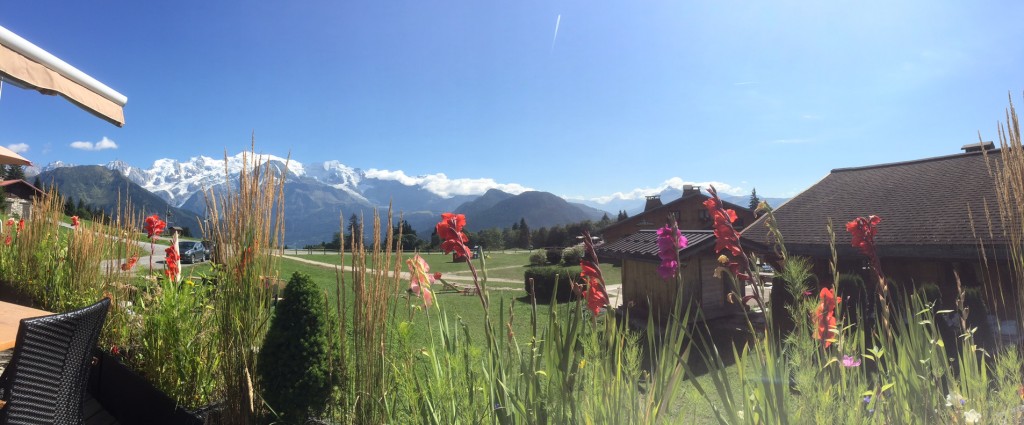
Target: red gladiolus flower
{"points": [[437, 275], [863, 231], [824, 318], [449, 229], [7, 240], [21, 225], [131, 263], [10, 222], [595, 293], [154, 226], [172, 261], [74, 221], [726, 237]]}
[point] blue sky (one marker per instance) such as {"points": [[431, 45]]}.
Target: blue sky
{"points": [[625, 96]]}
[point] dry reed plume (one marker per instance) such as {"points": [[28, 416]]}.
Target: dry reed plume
{"points": [[246, 223]]}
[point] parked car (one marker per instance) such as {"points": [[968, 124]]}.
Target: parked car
{"points": [[191, 251]]}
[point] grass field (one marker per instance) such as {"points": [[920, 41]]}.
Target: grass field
{"points": [[504, 268], [688, 405]]}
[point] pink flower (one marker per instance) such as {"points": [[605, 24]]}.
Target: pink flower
{"points": [[420, 279], [849, 361], [74, 221], [670, 241]]}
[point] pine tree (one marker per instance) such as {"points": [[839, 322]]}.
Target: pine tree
{"points": [[353, 225], [622, 215], [295, 360], [523, 241], [604, 222], [754, 200], [14, 172]]}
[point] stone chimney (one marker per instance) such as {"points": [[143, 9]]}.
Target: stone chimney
{"points": [[689, 189], [653, 201]]}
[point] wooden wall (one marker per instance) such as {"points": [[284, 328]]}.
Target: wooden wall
{"points": [[642, 285]]}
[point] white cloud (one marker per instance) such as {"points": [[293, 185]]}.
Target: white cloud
{"points": [[18, 147], [674, 183], [558, 21], [104, 143], [443, 186]]}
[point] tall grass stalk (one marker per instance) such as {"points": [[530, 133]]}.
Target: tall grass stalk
{"points": [[247, 225], [1008, 173]]}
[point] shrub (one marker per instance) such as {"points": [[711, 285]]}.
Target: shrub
{"points": [[572, 255], [546, 278], [930, 293], [294, 362], [554, 255], [977, 317], [537, 258]]}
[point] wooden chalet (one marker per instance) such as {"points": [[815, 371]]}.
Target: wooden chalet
{"points": [[19, 197], [688, 211], [643, 287], [939, 216]]}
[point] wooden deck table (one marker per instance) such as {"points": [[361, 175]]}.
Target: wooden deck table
{"points": [[10, 319]]}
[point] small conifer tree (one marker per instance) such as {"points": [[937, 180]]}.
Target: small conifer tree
{"points": [[294, 362]]}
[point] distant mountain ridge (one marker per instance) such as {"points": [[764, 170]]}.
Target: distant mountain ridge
{"points": [[103, 188], [540, 209], [318, 193], [317, 204]]}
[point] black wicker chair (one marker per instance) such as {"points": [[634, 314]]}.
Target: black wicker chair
{"points": [[45, 382]]}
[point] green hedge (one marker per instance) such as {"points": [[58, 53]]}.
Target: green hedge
{"points": [[545, 279]]}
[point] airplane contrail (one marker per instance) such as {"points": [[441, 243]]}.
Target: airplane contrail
{"points": [[555, 38]]}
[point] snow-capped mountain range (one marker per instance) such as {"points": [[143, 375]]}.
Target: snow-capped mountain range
{"points": [[319, 192], [176, 181]]}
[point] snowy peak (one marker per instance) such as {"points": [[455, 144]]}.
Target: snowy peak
{"points": [[334, 173], [175, 181]]}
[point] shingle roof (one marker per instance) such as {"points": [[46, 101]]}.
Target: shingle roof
{"points": [[644, 244], [923, 205], [661, 211]]}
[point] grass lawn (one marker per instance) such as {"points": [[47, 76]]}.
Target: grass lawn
{"points": [[688, 405], [501, 265]]}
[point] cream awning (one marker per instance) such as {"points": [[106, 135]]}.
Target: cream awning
{"points": [[26, 65]]}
